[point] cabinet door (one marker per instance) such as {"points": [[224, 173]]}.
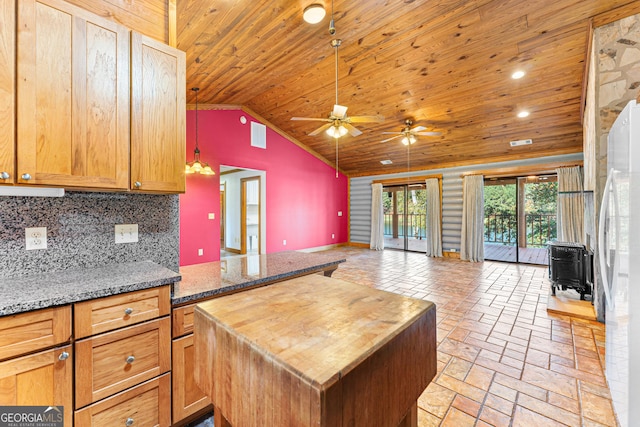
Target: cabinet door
{"points": [[41, 379], [73, 97], [158, 112], [187, 396], [7, 91]]}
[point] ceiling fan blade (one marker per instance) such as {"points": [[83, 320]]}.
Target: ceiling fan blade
{"points": [[339, 111], [317, 119], [363, 119], [418, 129], [352, 130], [389, 139], [392, 133], [321, 129], [428, 133]]}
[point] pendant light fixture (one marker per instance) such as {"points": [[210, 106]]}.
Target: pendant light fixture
{"points": [[196, 166]]}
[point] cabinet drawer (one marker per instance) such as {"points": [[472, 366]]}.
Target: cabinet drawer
{"points": [[146, 405], [109, 313], [28, 332], [111, 362], [182, 320]]}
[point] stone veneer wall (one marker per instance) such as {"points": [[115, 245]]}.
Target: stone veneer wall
{"points": [[614, 80], [618, 80], [80, 231]]}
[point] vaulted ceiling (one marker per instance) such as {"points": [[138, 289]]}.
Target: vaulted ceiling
{"points": [[446, 64]]}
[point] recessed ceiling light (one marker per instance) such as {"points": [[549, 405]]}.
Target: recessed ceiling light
{"points": [[313, 13], [386, 162], [523, 114], [518, 75]]}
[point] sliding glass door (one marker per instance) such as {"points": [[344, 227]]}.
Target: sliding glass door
{"points": [[520, 218], [405, 212], [501, 220]]}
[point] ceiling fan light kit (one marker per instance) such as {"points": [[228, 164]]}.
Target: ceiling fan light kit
{"points": [[313, 13], [337, 131], [409, 134], [408, 140]]}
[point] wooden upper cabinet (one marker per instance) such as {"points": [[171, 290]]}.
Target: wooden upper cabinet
{"points": [[158, 111], [72, 97], [7, 91]]}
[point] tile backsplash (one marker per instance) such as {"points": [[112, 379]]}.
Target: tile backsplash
{"points": [[80, 231]]}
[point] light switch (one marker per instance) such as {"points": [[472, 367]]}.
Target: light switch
{"points": [[212, 215], [339, 213], [126, 233], [200, 252]]}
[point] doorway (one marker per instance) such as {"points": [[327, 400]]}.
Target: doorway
{"points": [[519, 218], [243, 211], [405, 217]]}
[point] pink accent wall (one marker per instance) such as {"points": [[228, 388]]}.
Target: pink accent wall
{"points": [[303, 195]]}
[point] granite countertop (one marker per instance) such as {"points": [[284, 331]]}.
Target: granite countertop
{"points": [[201, 281], [26, 293]]}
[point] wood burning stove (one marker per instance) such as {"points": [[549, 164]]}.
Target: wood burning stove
{"points": [[570, 267]]}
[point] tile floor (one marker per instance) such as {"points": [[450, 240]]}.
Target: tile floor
{"points": [[502, 359]]}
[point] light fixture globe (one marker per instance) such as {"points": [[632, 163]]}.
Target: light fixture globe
{"points": [[337, 131], [313, 13]]}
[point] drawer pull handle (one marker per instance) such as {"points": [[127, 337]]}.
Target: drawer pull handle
{"points": [[26, 176], [137, 184], [130, 359], [4, 175], [129, 422], [128, 311], [63, 356]]}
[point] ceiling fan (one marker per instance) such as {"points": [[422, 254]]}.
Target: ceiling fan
{"points": [[338, 123], [408, 134]]}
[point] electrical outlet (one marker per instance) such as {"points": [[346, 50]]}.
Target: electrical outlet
{"points": [[339, 213], [333, 236], [212, 216], [35, 238], [126, 233], [284, 243], [200, 252]]}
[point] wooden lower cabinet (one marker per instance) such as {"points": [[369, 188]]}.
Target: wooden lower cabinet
{"points": [[145, 405], [187, 397], [35, 330], [40, 379], [118, 311], [111, 362]]}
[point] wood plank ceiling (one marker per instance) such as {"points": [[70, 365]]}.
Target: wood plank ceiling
{"points": [[446, 64]]}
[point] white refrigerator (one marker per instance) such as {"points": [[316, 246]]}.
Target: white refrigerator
{"points": [[619, 257]]}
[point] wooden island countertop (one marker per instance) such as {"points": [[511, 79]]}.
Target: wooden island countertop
{"points": [[315, 351]]}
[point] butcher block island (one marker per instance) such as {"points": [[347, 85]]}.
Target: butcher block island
{"points": [[315, 351]]}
